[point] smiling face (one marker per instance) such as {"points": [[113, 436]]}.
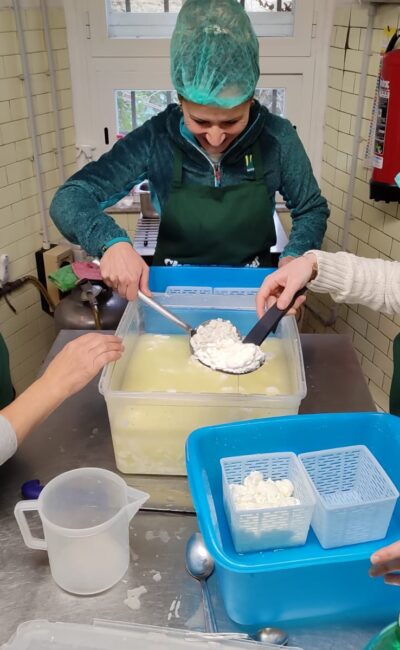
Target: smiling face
{"points": [[213, 127]]}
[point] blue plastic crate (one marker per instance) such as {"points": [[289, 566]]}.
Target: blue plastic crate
{"points": [[306, 583], [162, 277]]}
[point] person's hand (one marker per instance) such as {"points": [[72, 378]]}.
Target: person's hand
{"points": [[79, 361], [281, 285], [125, 271], [386, 562], [285, 260]]}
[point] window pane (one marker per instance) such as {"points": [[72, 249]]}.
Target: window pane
{"points": [[161, 6], [273, 99], [268, 5], [156, 18], [145, 6], [134, 107]]}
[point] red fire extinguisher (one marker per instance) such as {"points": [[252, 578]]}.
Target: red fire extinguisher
{"points": [[385, 180]]}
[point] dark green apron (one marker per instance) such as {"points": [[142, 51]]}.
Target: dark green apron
{"points": [[225, 226], [394, 401], [6, 388]]}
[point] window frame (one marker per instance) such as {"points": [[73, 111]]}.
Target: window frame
{"points": [[160, 25], [298, 44], [144, 74], [86, 56]]}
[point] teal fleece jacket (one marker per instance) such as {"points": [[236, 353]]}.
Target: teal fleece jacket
{"points": [[148, 152]]}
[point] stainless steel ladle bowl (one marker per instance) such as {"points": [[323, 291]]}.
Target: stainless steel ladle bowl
{"points": [[267, 324]]}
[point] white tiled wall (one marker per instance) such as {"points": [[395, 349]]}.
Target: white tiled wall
{"points": [[375, 227], [29, 333]]}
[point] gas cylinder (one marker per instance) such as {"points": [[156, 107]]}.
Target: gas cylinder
{"points": [[385, 180], [88, 307]]}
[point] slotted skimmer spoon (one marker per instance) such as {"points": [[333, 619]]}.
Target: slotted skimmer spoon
{"points": [[267, 324]]}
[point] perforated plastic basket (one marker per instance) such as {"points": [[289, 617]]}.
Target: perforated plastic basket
{"points": [[355, 497], [267, 528]]}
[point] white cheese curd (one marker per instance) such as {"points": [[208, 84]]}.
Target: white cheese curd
{"points": [[256, 493], [218, 345]]}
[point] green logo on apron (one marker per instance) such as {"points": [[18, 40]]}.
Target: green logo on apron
{"points": [[249, 163]]}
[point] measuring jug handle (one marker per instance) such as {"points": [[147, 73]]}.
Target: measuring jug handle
{"points": [[136, 499], [19, 512]]}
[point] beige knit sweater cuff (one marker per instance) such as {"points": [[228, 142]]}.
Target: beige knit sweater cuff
{"points": [[348, 278], [333, 270]]}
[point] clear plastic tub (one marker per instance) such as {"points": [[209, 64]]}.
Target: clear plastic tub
{"points": [[107, 635], [266, 528], [355, 498], [149, 428]]}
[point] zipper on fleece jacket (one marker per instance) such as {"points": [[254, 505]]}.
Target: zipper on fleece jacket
{"points": [[217, 167], [217, 174]]}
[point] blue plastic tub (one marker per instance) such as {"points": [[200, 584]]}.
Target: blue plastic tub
{"points": [[308, 583], [163, 277]]}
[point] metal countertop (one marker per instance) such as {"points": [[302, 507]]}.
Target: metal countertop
{"points": [[78, 434]]}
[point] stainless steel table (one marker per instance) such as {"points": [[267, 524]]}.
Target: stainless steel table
{"points": [[78, 434]]}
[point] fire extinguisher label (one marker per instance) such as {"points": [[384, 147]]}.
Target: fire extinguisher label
{"points": [[383, 101]]}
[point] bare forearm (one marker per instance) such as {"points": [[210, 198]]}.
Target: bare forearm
{"points": [[70, 370], [32, 407]]}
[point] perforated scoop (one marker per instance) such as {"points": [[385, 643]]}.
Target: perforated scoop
{"points": [[267, 324], [173, 318], [219, 346]]}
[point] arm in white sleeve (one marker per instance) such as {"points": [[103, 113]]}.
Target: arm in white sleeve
{"points": [[8, 440], [374, 283]]}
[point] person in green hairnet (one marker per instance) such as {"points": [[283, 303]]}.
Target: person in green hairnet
{"points": [[214, 163]]}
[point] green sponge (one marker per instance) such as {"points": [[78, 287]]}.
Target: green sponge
{"points": [[64, 278]]}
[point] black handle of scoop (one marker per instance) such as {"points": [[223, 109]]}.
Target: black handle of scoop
{"points": [[269, 322]]}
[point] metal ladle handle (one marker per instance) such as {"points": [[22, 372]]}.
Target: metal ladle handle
{"points": [[166, 313]]}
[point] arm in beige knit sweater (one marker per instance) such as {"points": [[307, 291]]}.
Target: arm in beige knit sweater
{"points": [[346, 277]]}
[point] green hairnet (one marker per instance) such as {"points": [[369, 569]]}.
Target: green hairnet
{"points": [[214, 53]]}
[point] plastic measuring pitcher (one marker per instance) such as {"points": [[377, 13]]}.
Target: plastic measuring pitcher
{"points": [[85, 515]]}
